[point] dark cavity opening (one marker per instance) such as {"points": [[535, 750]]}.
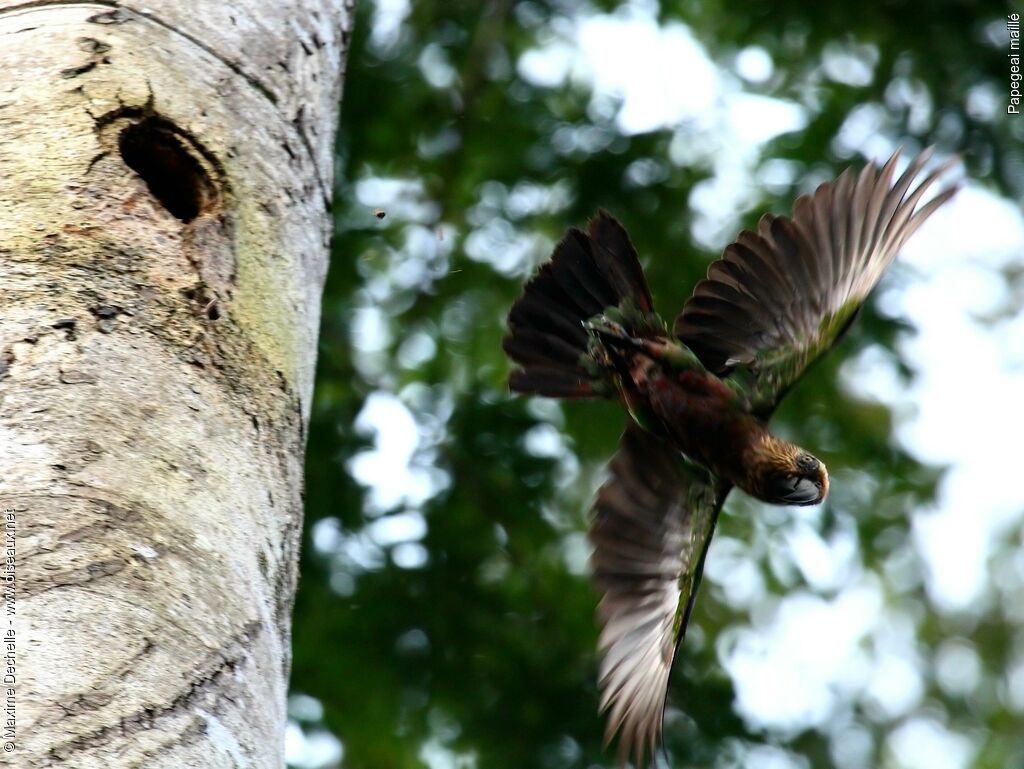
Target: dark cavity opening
{"points": [[159, 153]]}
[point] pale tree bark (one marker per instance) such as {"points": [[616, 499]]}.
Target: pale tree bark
{"points": [[165, 175]]}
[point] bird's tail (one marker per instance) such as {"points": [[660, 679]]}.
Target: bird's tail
{"points": [[592, 286]]}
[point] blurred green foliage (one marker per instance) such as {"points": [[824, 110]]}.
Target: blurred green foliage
{"points": [[481, 640]]}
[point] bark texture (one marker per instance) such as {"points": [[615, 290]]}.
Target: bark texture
{"points": [[165, 174]]}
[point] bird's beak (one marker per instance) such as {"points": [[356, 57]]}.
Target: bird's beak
{"points": [[804, 491]]}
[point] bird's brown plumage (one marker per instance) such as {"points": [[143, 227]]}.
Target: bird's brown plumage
{"points": [[646, 517], [777, 299], [783, 295]]}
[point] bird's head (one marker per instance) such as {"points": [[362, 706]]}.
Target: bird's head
{"points": [[784, 474]]}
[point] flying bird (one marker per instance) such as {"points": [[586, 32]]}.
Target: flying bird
{"points": [[699, 396]]}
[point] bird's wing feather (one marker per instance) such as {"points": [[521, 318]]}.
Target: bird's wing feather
{"points": [[780, 297], [653, 521]]}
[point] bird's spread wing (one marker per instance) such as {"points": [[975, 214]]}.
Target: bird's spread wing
{"points": [[780, 297], [653, 520]]}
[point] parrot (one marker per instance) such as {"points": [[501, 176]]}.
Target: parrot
{"points": [[699, 397]]}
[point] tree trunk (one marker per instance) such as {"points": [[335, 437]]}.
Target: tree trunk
{"points": [[165, 178]]}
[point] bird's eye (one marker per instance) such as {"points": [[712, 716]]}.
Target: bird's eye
{"points": [[807, 463]]}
